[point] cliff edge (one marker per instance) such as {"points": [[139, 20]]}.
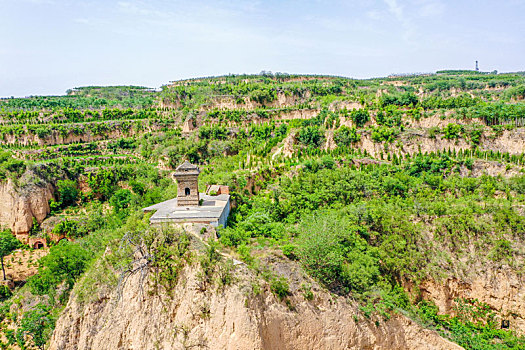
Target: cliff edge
{"points": [[233, 317]]}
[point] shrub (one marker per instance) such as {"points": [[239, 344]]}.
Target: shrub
{"points": [[102, 183], [215, 132], [311, 165], [11, 165], [69, 228], [384, 133], [360, 117], [263, 95], [330, 249], [233, 237], [170, 251], [121, 200], [502, 250], [327, 162], [474, 327], [137, 187], [307, 292], [405, 99], [64, 263], [245, 253], [475, 136], [279, 286], [433, 132], [289, 251], [452, 131], [36, 327], [68, 192], [8, 243], [345, 136], [5, 293], [391, 116], [310, 136]]}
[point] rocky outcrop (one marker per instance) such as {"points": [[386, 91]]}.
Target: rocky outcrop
{"points": [[415, 141], [18, 206], [83, 133], [512, 141], [305, 113], [501, 289], [230, 318], [330, 142]]}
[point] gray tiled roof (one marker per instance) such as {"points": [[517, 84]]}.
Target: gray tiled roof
{"points": [[187, 168]]}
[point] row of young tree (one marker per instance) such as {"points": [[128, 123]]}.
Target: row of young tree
{"points": [[353, 222]]}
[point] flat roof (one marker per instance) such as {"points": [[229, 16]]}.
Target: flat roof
{"points": [[211, 209]]}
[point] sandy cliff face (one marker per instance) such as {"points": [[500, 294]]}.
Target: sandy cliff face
{"points": [[412, 142], [502, 290], [233, 318], [19, 206]]}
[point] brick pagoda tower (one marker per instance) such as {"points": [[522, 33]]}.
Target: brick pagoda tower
{"points": [[187, 176]]}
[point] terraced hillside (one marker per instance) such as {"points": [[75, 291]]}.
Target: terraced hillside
{"points": [[400, 196]]}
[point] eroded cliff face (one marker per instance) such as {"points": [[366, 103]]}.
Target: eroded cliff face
{"points": [[415, 141], [18, 206], [502, 289], [230, 318]]}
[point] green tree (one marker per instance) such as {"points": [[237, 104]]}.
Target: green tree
{"points": [[345, 136], [69, 228], [102, 183], [37, 326], [452, 131], [311, 136], [67, 192], [331, 249], [8, 243], [65, 262], [138, 187], [359, 117], [121, 200]]}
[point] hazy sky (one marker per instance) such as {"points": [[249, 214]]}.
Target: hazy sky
{"points": [[48, 46]]}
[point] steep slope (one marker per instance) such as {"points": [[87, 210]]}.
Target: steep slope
{"points": [[502, 290], [230, 318], [18, 206]]}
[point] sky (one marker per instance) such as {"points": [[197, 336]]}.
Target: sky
{"points": [[49, 46]]}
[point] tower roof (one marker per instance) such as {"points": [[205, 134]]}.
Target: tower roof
{"points": [[186, 168]]}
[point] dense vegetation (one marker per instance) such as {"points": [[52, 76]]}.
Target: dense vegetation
{"points": [[367, 184]]}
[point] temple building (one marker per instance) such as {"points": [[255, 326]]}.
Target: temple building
{"points": [[190, 206]]}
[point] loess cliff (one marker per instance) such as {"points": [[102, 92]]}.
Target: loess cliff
{"points": [[230, 318], [18, 206]]}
